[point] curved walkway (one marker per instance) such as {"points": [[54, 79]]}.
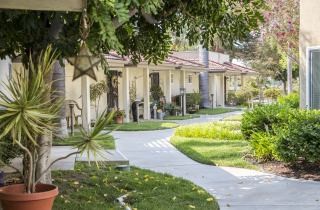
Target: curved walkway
{"points": [[235, 189]]}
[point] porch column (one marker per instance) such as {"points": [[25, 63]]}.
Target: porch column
{"points": [[219, 89], [183, 85], [223, 82], [214, 90], [125, 94], [146, 95], [168, 86], [86, 113]]}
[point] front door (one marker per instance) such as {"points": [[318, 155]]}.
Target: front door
{"points": [[112, 93], [155, 79]]}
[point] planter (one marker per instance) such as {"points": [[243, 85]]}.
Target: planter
{"points": [[119, 120], [13, 197]]}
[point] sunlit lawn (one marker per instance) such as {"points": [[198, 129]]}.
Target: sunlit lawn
{"points": [[214, 152]]}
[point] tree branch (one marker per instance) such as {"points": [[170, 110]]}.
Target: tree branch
{"points": [[29, 184], [148, 17], [116, 22], [53, 162]]}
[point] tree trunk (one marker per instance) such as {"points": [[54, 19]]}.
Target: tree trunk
{"points": [[284, 87], [45, 141], [58, 86], [44, 148], [204, 78], [44, 152]]}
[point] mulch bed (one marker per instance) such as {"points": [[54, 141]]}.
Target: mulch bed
{"points": [[301, 170], [298, 171]]}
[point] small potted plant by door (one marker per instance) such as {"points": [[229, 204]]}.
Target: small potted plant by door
{"points": [[119, 116], [28, 115]]}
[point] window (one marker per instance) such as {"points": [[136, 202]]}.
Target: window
{"points": [[171, 78], [190, 78], [313, 78]]}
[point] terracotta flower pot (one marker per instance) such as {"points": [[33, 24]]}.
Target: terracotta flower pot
{"points": [[119, 120], [13, 197]]}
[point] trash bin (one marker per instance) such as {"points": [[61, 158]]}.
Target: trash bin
{"points": [[134, 108]]}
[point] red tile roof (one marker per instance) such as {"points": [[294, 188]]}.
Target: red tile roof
{"points": [[180, 59]]}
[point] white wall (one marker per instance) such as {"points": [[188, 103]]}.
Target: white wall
{"points": [[5, 68], [309, 37]]}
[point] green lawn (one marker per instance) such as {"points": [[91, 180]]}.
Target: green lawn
{"points": [[214, 151], [143, 126], [87, 188], [186, 117], [70, 141], [215, 111]]}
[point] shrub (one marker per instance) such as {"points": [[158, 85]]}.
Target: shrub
{"points": [[217, 130], [263, 146], [193, 99], [291, 100], [272, 93], [8, 151], [262, 119], [246, 94], [170, 108], [299, 139]]}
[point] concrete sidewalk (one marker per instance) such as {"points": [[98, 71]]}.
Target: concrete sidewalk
{"points": [[235, 189]]}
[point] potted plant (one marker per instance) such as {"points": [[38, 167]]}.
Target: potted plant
{"points": [[27, 115], [119, 116]]}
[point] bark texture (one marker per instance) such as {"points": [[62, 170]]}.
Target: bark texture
{"points": [[204, 78]]}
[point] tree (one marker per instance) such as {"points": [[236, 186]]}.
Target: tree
{"points": [[139, 29]]}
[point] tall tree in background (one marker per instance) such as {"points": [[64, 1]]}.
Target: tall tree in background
{"points": [[136, 28], [282, 23]]}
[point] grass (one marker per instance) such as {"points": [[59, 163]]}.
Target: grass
{"points": [[70, 141], [215, 130], [186, 117], [88, 188], [218, 143], [215, 111], [214, 151], [143, 126]]}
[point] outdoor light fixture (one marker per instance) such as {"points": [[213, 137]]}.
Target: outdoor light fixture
{"points": [[182, 91]]}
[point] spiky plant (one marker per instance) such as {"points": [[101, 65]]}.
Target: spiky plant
{"points": [[29, 111]]}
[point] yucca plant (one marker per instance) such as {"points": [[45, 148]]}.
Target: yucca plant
{"points": [[29, 112]]}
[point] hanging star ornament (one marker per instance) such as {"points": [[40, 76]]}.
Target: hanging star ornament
{"points": [[84, 63]]}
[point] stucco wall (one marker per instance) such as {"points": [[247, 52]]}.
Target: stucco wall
{"points": [[5, 66], [309, 36]]}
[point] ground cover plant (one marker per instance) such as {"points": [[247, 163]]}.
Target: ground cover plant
{"points": [[91, 188], [143, 126], [214, 130]]}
